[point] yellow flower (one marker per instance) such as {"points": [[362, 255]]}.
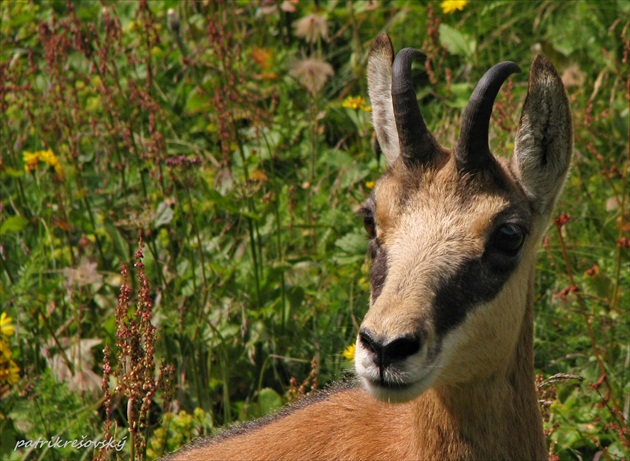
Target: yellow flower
{"points": [[31, 159], [369, 184], [356, 103], [349, 352], [6, 329], [450, 6], [48, 156], [8, 369], [5, 353], [10, 373]]}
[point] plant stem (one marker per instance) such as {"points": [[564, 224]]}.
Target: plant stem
{"points": [[586, 316]]}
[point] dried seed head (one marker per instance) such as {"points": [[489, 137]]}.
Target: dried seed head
{"points": [[311, 28], [312, 73]]}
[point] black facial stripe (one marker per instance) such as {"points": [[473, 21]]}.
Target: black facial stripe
{"points": [[476, 281], [378, 273]]}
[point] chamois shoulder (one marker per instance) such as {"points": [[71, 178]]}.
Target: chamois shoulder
{"points": [[250, 427], [344, 422]]}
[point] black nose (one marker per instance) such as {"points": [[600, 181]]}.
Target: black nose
{"points": [[394, 351]]}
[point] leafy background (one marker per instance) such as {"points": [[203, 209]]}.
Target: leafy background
{"points": [[179, 179]]}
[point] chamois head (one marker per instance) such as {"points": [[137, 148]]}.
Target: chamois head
{"points": [[453, 233]]}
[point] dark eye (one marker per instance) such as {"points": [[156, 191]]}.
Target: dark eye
{"points": [[508, 239], [370, 225]]}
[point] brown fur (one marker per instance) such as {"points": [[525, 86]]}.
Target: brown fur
{"points": [[472, 385]]}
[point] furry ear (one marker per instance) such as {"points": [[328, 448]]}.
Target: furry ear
{"points": [[544, 141], [379, 74]]}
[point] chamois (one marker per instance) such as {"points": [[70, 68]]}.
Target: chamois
{"points": [[444, 357]]}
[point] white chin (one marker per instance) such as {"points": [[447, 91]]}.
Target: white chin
{"points": [[396, 393], [399, 384]]}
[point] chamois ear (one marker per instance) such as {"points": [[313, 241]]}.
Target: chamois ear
{"points": [[379, 74], [544, 141]]}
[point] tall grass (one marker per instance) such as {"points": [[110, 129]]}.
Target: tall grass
{"points": [[229, 139]]}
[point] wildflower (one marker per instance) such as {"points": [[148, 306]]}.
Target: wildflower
{"points": [[312, 73], [566, 292], [356, 103], [593, 271], [270, 7], [450, 6], [5, 353], [369, 184], [562, 220], [311, 28], [49, 157], [262, 57], [32, 159], [136, 375], [85, 274], [6, 329], [10, 373], [267, 75], [349, 352], [173, 21]]}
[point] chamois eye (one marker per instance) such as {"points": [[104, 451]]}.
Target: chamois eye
{"points": [[508, 239], [370, 225]]}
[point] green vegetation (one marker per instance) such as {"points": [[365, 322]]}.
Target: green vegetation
{"points": [[218, 150]]}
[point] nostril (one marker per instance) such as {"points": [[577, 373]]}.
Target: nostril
{"points": [[401, 348], [369, 343], [396, 351]]}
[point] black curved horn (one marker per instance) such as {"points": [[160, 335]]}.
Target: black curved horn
{"points": [[416, 143], [473, 152]]}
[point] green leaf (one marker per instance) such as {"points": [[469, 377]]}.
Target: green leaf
{"points": [[13, 224], [352, 243], [268, 401], [12, 172], [353, 247], [460, 94], [456, 42], [295, 296], [117, 240], [197, 103]]}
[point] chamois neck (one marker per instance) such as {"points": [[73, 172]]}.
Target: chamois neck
{"points": [[495, 418]]}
